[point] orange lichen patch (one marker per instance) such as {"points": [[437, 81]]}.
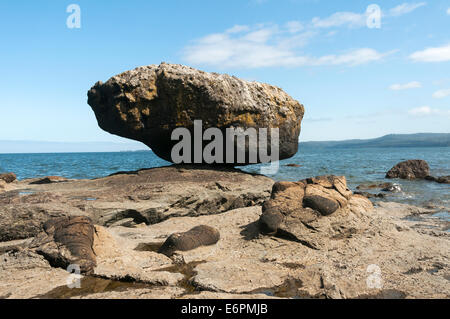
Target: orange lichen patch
{"points": [[130, 97]]}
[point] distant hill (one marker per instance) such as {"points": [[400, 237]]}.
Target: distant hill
{"points": [[392, 140]]}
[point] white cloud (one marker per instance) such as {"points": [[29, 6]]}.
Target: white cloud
{"points": [[427, 111], [267, 46], [237, 29], [441, 94], [354, 19], [439, 54], [355, 57], [410, 85], [405, 8], [294, 26], [339, 19], [423, 110], [448, 11]]}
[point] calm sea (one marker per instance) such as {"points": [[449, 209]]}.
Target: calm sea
{"points": [[360, 166]]}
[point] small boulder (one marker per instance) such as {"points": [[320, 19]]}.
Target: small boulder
{"points": [[8, 177], [323, 205], [198, 236], [374, 186], [394, 188], [411, 169], [67, 241]]}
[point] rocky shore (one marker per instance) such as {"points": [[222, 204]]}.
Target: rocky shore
{"points": [[356, 251], [213, 231]]}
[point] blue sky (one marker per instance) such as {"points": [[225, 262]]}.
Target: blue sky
{"points": [[355, 81]]}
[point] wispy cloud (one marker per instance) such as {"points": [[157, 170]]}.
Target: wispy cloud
{"points": [[441, 94], [294, 26], [427, 111], [244, 46], [448, 11], [356, 19], [406, 86], [268, 46], [338, 19], [405, 8], [438, 54]]}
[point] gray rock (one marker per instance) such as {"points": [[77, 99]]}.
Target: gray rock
{"points": [[146, 104]]}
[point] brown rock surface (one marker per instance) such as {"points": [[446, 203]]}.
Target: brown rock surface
{"points": [[411, 254], [8, 177], [68, 241], [294, 207], [411, 169], [130, 198], [198, 236]]}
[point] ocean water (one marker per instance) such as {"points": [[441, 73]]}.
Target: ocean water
{"points": [[360, 166]]}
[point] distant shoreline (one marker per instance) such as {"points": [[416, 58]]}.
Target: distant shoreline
{"points": [[392, 140]]}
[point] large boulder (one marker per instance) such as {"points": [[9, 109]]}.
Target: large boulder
{"points": [[146, 104], [411, 169]]}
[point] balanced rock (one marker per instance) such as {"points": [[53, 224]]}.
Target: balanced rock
{"points": [[148, 103], [411, 169], [198, 236]]}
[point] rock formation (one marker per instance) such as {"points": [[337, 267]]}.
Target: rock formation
{"points": [[300, 210], [146, 104], [415, 169], [411, 169], [68, 241], [312, 255], [130, 198]]}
